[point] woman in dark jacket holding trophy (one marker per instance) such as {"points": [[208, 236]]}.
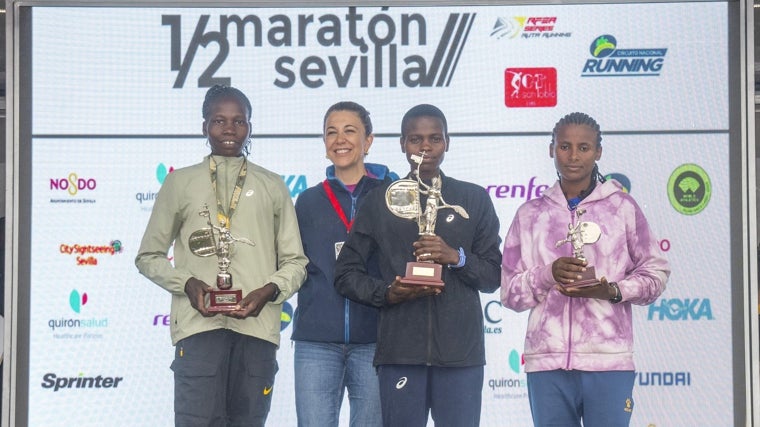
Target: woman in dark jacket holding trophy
{"points": [[434, 259]]}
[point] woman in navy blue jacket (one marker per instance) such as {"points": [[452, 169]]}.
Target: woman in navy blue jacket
{"points": [[334, 336]]}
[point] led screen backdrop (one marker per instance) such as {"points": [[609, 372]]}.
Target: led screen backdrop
{"points": [[115, 105]]}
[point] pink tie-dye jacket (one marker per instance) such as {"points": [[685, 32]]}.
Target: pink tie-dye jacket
{"points": [[580, 333]]}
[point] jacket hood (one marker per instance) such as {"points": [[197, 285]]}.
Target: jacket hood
{"points": [[601, 191]]}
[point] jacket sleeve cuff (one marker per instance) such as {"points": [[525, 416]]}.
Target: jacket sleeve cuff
{"points": [[546, 278]]}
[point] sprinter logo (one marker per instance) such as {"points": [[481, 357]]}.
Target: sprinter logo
{"points": [[375, 62], [53, 381]]}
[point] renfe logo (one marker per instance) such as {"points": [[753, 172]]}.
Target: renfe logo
{"points": [[517, 191], [530, 87], [161, 320]]}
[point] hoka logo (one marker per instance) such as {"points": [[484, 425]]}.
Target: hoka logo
{"points": [[681, 309]]}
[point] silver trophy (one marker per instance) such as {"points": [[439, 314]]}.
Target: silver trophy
{"points": [[217, 240], [578, 235], [403, 200]]}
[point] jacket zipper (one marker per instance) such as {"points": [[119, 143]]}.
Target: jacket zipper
{"points": [[347, 329], [570, 335], [346, 303], [570, 313]]}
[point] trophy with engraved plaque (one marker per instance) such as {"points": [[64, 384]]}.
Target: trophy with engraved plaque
{"points": [[578, 235], [217, 240], [403, 200]]}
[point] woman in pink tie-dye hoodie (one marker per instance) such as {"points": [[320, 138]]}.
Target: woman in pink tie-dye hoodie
{"points": [[579, 342]]}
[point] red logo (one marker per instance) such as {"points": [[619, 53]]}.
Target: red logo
{"points": [[530, 87], [540, 24]]}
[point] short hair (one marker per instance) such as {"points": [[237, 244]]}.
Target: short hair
{"points": [[423, 110], [355, 108], [578, 118], [217, 92]]}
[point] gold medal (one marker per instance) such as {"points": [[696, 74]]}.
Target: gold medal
{"points": [[223, 220]]}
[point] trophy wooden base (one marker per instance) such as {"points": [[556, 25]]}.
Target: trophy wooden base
{"points": [[224, 300], [422, 274], [588, 278]]}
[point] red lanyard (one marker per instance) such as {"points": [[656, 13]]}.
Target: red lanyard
{"points": [[336, 206]]}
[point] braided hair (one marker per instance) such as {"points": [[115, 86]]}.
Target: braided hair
{"points": [[578, 118], [217, 92]]}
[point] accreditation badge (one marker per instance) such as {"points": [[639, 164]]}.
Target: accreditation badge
{"points": [[338, 247]]}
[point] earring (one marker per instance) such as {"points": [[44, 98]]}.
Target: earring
{"points": [[366, 153]]}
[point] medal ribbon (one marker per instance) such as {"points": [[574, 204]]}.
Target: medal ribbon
{"points": [[222, 216], [336, 206]]}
